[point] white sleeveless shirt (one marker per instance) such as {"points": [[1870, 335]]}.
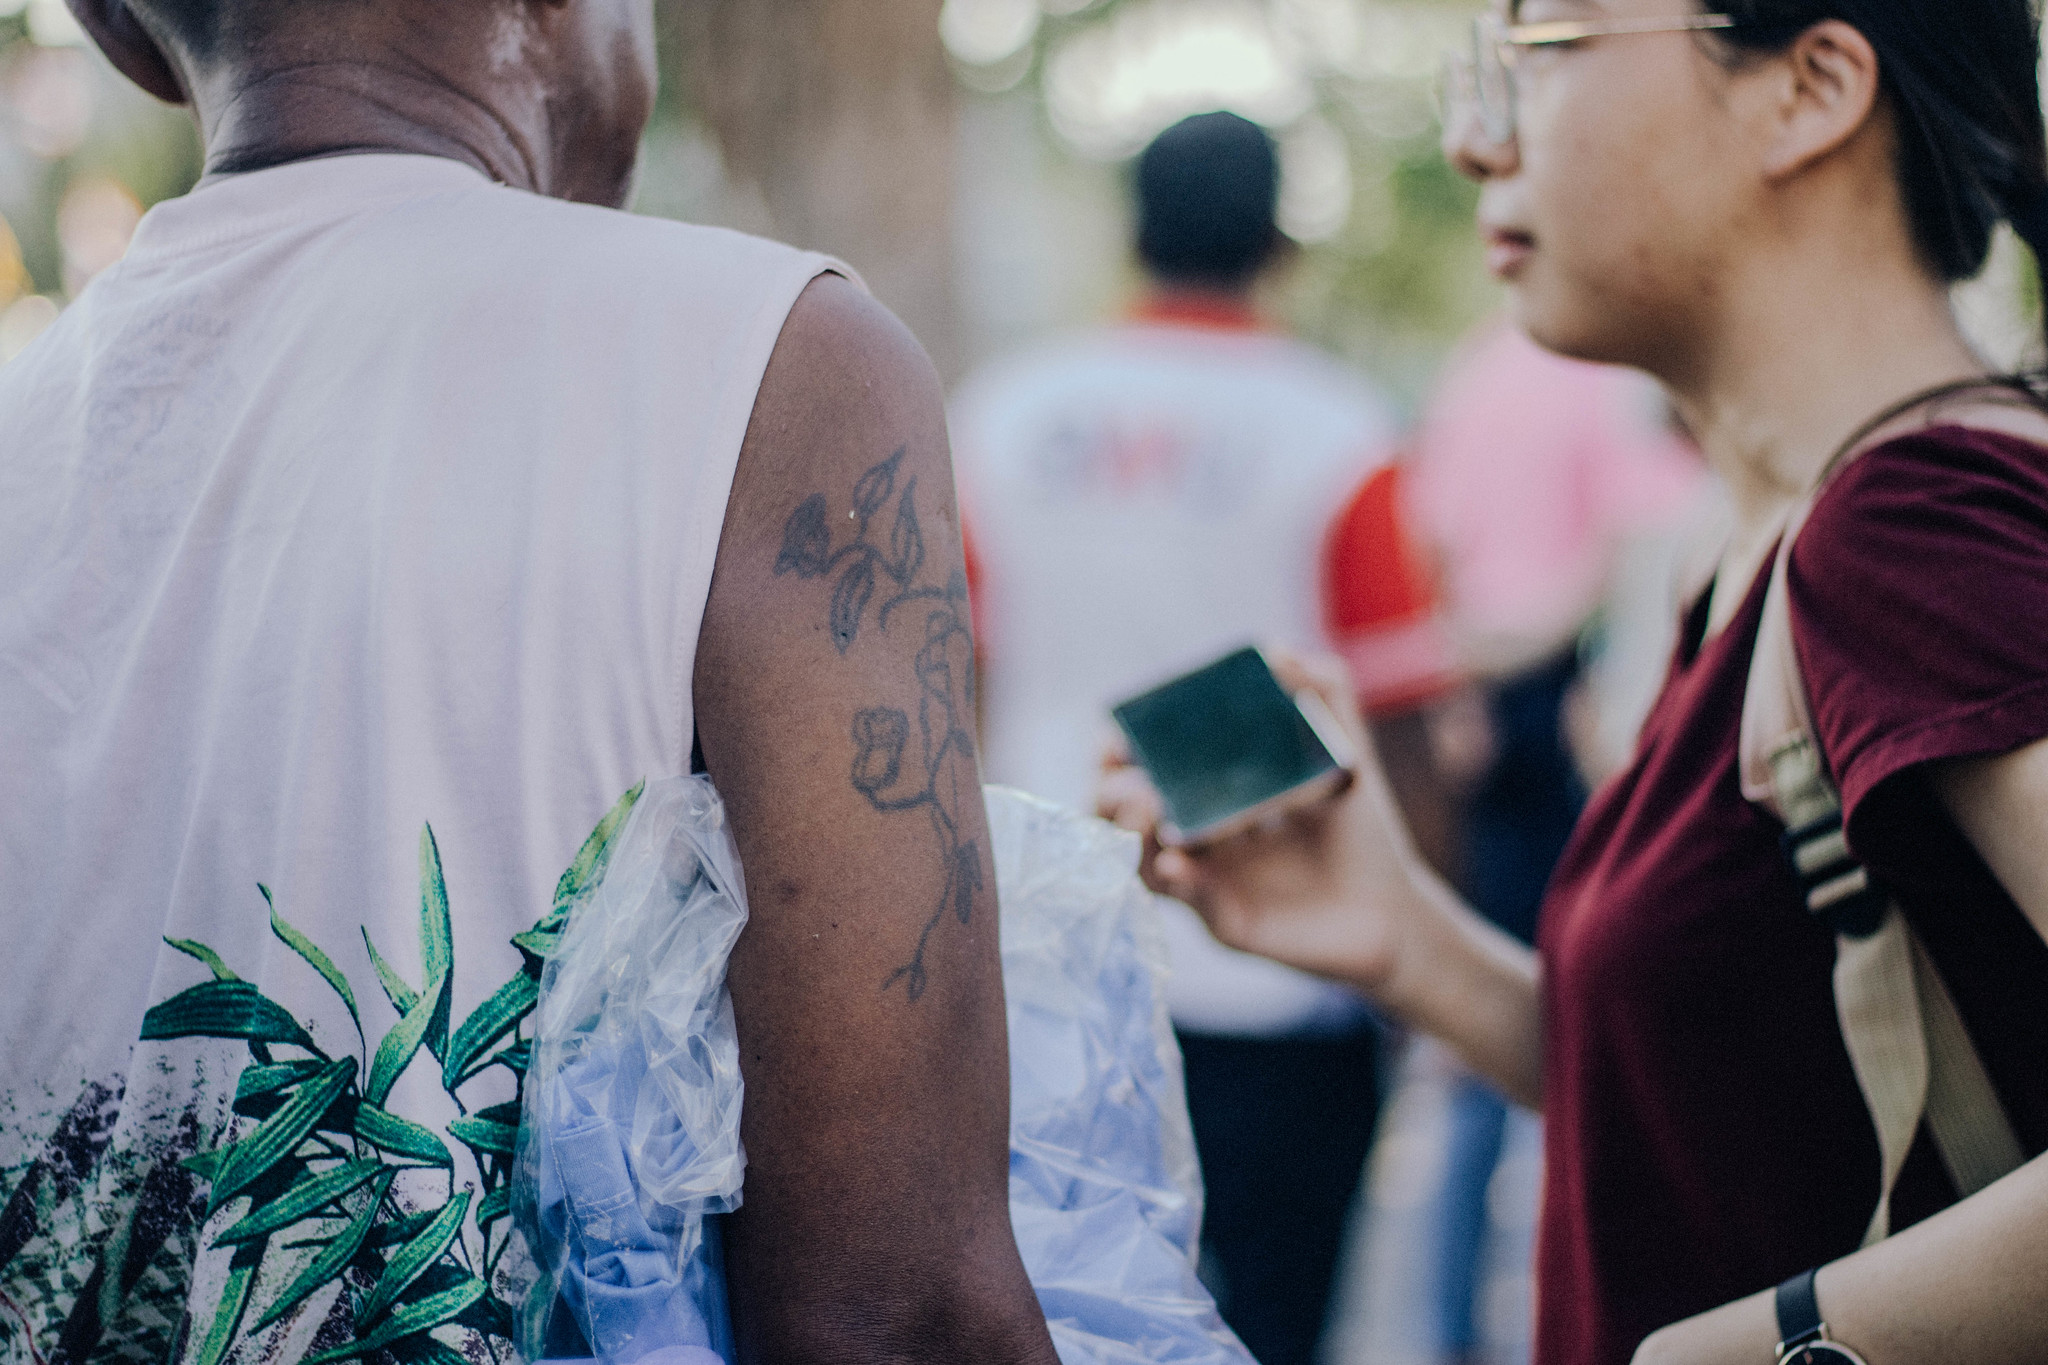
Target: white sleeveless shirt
{"points": [[362, 497]]}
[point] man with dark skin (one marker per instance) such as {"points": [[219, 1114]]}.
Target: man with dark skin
{"points": [[876, 1221]]}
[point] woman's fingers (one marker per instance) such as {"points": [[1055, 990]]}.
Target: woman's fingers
{"points": [[1126, 798], [1171, 872], [1187, 877], [1330, 682], [1318, 672]]}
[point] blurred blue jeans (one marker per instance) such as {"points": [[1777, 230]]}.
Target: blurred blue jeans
{"points": [[1478, 1128]]}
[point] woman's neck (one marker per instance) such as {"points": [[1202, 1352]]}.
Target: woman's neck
{"points": [[1802, 360]]}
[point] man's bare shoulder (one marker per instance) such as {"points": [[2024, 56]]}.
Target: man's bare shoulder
{"points": [[840, 347], [848, 387]]}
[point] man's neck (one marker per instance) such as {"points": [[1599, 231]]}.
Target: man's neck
{"points": [[254, 119]]}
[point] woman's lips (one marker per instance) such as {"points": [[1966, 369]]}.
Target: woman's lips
{"points": [[1507, 251]]}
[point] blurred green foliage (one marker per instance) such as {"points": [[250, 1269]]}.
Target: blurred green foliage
{"points": [[149, 148], [1391, 289], [1399, 285]]}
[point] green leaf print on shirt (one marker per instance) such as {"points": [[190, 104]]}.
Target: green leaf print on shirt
{"points": [[318, 1167]]}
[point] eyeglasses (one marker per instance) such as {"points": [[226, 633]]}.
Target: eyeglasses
{"points": [[1480, 84]]}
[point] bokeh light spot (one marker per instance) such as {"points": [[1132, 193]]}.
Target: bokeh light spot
{"points": [[46, 98], [22, 322], [1315, 181], [987, 32], [1114, 85], [94, 222]]}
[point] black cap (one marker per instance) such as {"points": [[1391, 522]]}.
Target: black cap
{"points": [[1208, 188]]}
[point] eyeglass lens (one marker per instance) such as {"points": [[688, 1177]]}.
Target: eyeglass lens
{"points": [[1479, 87]]}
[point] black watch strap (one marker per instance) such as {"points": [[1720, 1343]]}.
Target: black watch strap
{"points": [[1798, 1311]]}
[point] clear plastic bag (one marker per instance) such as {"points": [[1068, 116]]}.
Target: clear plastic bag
{"points": [[631, 1134], [1105, 1192], [631, 1141]]}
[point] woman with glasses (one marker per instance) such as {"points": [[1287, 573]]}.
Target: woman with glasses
{"points": [[1765, 207]]}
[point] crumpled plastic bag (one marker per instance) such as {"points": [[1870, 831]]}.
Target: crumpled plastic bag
{"points": [[630, 1139], [1105, 1191], [630, 1145]]}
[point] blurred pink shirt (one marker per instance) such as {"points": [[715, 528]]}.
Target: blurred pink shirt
{"points": [[1529, 469]]}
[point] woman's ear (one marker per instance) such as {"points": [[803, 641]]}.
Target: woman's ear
{"points": [[1830, 85], [115, 30]]}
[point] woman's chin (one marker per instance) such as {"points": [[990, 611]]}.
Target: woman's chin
{"points": [[1551, 327], [1569, 328]]}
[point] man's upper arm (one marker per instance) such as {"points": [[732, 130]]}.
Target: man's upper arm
{"points": [[835, 700]]}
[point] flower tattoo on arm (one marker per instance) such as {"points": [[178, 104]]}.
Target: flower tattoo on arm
{"points": [[902, 764]]}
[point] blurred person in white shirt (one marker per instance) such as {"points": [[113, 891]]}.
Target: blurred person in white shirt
{"points": [[1140, 500]]}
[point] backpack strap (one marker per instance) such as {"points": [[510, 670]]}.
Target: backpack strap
{"points": [[1906, 1041]]}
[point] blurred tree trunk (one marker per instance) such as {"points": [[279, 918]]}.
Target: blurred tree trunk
{"points": [[839, 116]]}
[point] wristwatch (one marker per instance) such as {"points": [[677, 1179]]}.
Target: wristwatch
{"points": [[1802, 1336]]}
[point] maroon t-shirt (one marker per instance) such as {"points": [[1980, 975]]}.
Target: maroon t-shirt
{"points": [[1706, 1135]]}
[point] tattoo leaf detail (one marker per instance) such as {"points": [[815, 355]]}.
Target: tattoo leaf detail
{"points": [[850, 601], [940, 776], [874, 487], [806, 541], [906, 539], [966, 880], [879, 736]]}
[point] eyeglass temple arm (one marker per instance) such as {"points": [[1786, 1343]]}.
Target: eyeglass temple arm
{"points": [[1572, 30]]}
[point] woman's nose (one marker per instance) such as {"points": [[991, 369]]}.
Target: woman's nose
{"points": [[1475, 155]]}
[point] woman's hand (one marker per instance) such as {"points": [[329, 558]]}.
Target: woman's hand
{"points": [[1338, 889], [1326, 888]]}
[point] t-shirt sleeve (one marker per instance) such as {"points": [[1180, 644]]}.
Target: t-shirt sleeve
{"points": [[1919, 595], [1380, 600]]}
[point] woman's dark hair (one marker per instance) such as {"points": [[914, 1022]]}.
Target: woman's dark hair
{"points": [[1207, 190], [1963, 78]]}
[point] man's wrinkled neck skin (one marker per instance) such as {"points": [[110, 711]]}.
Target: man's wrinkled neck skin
{"points": [[543, 95]]}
